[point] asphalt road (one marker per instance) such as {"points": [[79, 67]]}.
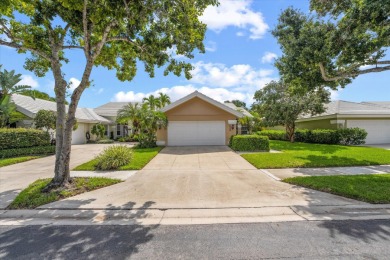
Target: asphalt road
{"points": [[301, 240]]}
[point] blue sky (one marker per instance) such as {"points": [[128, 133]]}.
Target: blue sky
{"points": [[238, 61]]}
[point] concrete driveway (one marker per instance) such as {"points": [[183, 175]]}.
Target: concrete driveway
{"points": [[16, 177], [211, 177]]}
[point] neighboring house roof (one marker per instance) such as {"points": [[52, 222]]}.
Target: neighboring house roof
{"points": [[348, 108], [30, 107], [111, 108], [205, 98], [241, 109]]}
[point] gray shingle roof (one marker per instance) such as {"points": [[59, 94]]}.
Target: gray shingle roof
{"points": [[342, 107], [30, 107], [111, 108]]}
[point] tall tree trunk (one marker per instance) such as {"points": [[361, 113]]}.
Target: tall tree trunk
{"points": [[290, 130], [65, 123]]}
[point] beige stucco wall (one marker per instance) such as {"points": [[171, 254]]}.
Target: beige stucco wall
{"points": [[316, 124], [197, 109]]}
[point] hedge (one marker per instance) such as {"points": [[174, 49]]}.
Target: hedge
{"points": [[37, 150], [347, 136], [317, 136], [11, 138], [274, 134], [352, 136], [250, 143]]}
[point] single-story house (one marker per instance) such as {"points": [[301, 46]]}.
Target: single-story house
{"points": [[197, 119], [110, 111], [374, 117], [86, 117]]}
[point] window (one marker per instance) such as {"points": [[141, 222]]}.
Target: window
{"points": [[244, 130], [118, 129]]}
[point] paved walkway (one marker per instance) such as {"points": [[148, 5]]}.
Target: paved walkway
{"points": [[205, 177], [16, 177], [294, 172]]}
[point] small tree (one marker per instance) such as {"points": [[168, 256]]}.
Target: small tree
{"points": [[282, 106], [98, 130], [45, 119]]}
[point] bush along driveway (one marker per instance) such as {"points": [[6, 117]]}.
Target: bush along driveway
{"points": [[141, 157], [295, 155]]}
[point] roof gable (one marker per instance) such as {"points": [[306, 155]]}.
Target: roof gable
{"points": [[205, 98]]}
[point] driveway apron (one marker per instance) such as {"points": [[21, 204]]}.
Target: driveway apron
{"points": [[210, 177], [16, 177]]}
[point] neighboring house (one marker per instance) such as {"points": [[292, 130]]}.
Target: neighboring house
{"points": [[374, 117], [110, 111], [197, 119], [86, 117]]}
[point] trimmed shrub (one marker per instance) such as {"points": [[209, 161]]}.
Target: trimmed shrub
{"points": [[36, 150], [114, 157], [104, 141], [352, 136], [317, 136], [11, 138], [274, 134], [250, 143]]}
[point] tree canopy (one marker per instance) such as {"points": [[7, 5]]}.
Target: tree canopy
{"points": [[45, 119], [344, 39], [113, 34], [281, 106]]}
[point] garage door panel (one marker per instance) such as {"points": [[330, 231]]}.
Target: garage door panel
{"points": [[182, 133], [378, 131]]}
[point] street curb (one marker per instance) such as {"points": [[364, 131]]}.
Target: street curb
{"points": [[191, 216]]}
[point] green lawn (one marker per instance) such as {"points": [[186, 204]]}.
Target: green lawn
{"points": [[33, 197], [141, 157], [368, 188], [317, 155], [10, 161]]}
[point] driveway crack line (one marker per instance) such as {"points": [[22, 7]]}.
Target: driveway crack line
{"points": [[293, 210]]}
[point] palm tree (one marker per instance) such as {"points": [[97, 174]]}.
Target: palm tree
{"points": [[130, 113], [8, 81], [164, 99], [152, 102]]}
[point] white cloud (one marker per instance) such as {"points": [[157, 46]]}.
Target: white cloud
{"points": [[172, 52], [177, 92], [334, 94], [211, 46], [235, 13], [268, 57], [219, 75], [73, 83], [29, 81], [99, 91], [240, 34]]}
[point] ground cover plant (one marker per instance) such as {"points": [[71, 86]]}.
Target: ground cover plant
{"points": [[34, 196], [10, 161], [317, 155], [113, 157], [369, 188], [141, 157]]}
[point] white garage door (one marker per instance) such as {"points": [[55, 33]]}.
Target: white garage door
{"points": [[78, 136], [182, 133], [378, 131]]}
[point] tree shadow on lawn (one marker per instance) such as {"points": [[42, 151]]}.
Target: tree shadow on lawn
{"points": [[79, 241], [334, 161]]}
